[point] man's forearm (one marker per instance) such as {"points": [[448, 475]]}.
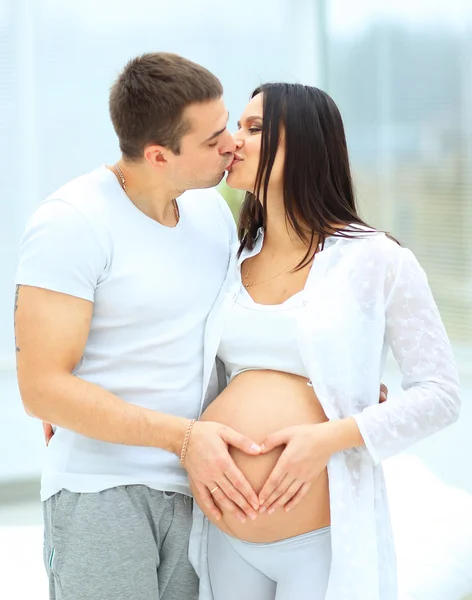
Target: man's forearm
{"points": [[88, 409]]}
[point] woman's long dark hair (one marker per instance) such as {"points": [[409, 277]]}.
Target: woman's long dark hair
{"points": [[317, 184]]}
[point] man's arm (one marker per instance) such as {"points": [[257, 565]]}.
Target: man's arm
{"points": [[51, 331]]}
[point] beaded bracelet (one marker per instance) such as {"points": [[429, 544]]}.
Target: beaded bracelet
{"points": [[183, 453]]}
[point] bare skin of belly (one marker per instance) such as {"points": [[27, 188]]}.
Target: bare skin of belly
{"points": [[257, 403]]}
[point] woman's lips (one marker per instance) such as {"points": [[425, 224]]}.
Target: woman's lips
{"points": [[235, 161]]}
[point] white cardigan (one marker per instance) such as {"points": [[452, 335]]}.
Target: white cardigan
{"points": [[362, 296]]}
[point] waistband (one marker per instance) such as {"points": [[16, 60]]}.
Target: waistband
{"points": [[297, 540]]}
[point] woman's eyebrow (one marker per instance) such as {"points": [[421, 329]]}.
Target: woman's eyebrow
{"points": [[250, 119]]}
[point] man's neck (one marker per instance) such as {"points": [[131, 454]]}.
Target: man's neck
{"points": [[151, 196]]}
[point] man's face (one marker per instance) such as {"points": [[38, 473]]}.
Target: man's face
{"points": [[206, 151]]}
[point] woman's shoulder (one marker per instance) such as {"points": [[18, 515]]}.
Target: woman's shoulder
{"points": [[374, 245], [373, 254]]}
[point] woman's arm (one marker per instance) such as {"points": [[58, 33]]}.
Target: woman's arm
{"points": [[429, 402], [414, 330]]}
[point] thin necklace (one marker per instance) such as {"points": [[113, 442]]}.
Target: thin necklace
{"points": [[123, 185], [248, 284]]}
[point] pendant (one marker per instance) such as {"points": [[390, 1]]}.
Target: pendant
{"points": [[248, 284]]}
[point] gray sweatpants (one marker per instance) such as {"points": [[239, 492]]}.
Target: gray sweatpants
{"points": [[125, 543]]}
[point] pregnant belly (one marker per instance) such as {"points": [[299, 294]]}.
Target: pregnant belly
{"points": [[257, 403]]}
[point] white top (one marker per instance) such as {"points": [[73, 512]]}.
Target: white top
{"points": [[152, 287], [362, 297], [260, 336]]}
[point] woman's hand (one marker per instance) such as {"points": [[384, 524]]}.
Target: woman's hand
{"points": [[308, 449], [307, 452]]}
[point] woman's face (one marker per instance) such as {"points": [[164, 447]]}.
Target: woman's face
{"points": [[243, 171]]}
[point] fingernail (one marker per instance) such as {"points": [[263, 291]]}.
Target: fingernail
{"points": [[262, 509], [253, 516], [242, 519], [288, 509], [256, 448], [262, 447], [255, 506], [271, 511]]}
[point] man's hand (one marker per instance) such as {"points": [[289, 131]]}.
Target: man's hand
{"points": [[214, 473], [383, 393], [48, 432]]}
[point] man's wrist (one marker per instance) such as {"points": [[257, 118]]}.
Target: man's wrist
{"points": [[177, 428], [188, 433]]}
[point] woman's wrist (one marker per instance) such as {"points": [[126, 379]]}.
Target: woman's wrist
{"points": [[344, 434]]}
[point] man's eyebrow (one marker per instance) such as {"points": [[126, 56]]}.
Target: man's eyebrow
{"points": [[249, 120], [217, 133]]}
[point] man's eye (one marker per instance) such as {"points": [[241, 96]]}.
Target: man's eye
{"points": [[212, 145]]}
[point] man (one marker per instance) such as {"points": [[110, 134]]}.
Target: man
{"points": [[116, 279]]}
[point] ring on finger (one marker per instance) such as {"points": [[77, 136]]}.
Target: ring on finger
{"points": [[214, 489]]}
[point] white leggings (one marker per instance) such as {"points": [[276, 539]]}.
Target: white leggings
{"points": [[295, 568]]}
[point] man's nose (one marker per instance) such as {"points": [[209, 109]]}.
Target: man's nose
{"points": [[229, 145]]}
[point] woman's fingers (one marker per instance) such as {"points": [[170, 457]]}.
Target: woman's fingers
{"points": [[279, 491], [286, 497], [276, 439], [273, 482], [298, 497]]}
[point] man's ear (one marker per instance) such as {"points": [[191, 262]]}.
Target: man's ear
{"points": [[156, 156]]}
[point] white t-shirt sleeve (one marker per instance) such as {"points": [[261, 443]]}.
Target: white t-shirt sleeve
{"points": [[61, 252]]}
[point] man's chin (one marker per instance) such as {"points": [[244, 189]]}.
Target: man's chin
{"points": [[201, 185], [217, 179]]}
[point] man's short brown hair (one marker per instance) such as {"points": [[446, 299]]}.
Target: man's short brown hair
{"points": [[149, 96]]}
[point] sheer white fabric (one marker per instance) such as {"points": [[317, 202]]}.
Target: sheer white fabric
{"points": [[362, 296]]}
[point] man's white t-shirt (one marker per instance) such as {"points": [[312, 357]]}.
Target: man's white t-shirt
{"points": [[152, 287]]}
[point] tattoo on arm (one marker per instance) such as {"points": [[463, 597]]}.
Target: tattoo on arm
{"points": [[17, 294]]}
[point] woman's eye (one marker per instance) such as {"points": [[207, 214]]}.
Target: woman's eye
{"points": [[254, 129]]}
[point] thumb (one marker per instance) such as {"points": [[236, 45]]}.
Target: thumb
{"points": [[278, 438], [240, 441]]}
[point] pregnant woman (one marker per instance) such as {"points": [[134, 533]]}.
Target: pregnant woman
{"points": [[313, 300]]}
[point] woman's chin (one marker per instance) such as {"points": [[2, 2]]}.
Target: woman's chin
{"points": [[234, 182]]}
